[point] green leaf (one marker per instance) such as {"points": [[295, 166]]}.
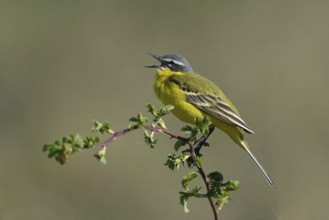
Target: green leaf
{"points": [[103, 160], [219, 190], [157, 121], [165, 110], [183, 201], [133, 122], [62, 149], [90, 142], [179, 144], [170, 163], [188, 178], [232, 185], [185, 195], [152, 110], [187, 130], [140, 120], [100, 155], [149, 140], [101, 127], [216, 177], [203, 125], [224, 196], [173, 161], [160, 122]]}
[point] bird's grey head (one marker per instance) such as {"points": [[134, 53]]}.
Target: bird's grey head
{"points": [[174, 62]]}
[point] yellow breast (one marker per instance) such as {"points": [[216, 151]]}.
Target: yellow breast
{"points": [[170, 94]]}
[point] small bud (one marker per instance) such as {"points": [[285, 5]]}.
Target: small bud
{"points": [[110, 131], [162, 124]]}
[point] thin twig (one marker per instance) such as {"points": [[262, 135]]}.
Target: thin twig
{"points": [[166, 131], [192, 147], [204, 177], [117, 134]]}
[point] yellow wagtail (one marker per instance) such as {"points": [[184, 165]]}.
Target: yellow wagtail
{"points": [[194, 96]]}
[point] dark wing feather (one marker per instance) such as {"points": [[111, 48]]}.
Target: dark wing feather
{"points": [[218, 108]]}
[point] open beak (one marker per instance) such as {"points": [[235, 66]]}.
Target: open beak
{"points": [[154, 66]]}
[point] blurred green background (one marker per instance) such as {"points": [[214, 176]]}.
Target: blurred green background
{"points": [[66, 63]]}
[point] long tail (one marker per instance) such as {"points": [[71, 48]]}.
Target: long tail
{"points": [[253, 157]]}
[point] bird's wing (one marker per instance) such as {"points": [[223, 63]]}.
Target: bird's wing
{"points": [[210, 102], [218, 108]]}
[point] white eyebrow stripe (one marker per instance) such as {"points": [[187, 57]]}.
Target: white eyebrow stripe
{"points": [[175, 61], [179, 63]]}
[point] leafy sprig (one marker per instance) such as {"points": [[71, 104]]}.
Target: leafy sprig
{"points": [[194, 138], [62, 149]]}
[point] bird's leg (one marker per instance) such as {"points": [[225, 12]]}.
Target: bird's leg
{"points": [[199, 144]]}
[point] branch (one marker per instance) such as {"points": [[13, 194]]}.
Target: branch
{"points": [[217, 192], [192, 147], [118, 134]]}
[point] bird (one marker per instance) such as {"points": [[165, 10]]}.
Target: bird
{"points": [[195, 97]]}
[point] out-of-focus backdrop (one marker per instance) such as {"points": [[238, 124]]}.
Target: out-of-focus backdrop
{"points": [[66, 63]]}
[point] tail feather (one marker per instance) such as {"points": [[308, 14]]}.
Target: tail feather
{"points": [[253, 157]]}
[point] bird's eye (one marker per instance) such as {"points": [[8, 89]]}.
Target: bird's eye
{"points": [[171, 62]]}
